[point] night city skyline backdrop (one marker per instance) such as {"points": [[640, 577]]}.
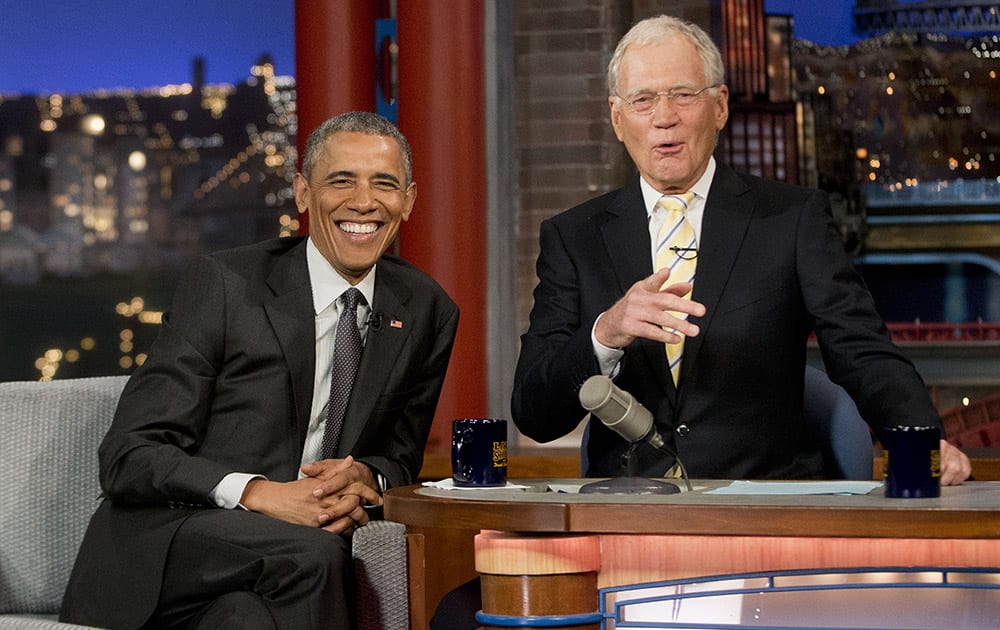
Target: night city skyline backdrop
{"points": [[108, 235], [49, 46]]}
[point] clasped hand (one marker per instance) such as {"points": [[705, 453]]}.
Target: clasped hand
{"points": [[650, 309], [332, 495]]}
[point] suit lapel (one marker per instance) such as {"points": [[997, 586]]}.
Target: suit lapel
{"points": [[292, 317], [626, 225], [727, 217], [392, 323]]}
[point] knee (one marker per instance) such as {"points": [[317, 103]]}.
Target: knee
{"points": [[328, 550], [320, 555], [240, 610]]}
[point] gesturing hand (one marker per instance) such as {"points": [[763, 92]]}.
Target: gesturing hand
{"points": [[651, 312]]}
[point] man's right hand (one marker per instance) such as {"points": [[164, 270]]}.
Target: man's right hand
{"points": [[296, 502], [649, 310]]}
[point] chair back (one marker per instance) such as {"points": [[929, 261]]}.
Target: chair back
{"points": [[842, 434], [49, 488]]}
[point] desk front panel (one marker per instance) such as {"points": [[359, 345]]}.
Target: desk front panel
{"points": [[650, 538]]}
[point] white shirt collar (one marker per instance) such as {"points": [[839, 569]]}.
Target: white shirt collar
{"points": [[327, 284], [650, 195]]}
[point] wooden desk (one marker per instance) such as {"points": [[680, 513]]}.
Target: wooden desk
{"points": [[698, 534]]}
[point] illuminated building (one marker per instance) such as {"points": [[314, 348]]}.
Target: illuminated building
{"points": [[143, 179]]}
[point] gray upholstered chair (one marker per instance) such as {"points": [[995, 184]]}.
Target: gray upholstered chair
{"points": [[49, 433]]}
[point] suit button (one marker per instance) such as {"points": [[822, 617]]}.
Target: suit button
{"points": [[683, 430]]}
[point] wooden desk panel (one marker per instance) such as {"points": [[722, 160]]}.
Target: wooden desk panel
{"points": [[439, 560], [695, 534]]}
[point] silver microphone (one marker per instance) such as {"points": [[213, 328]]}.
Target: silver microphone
{"points": [[619, 410], [623, 414]]}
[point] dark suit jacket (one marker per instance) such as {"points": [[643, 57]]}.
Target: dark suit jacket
{"points": [[228, 387], [771, 268]]}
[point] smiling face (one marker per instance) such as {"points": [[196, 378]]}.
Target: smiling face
{"points": [[357, 196], [670, 146]]}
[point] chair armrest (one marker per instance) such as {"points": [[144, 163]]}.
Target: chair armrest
{"points": [[379, 550], [18, 622]]}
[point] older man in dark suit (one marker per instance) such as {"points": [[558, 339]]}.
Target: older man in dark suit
{"points": [[615, 297], [766, 266], [233, 473], [768, 269]]}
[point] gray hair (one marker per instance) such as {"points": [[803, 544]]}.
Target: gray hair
{"points": [[654, 29], [362, 122]]}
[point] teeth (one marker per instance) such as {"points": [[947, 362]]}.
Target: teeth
{"points": [[359, 228]]}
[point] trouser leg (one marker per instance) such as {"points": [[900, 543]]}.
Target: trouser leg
{"points": [[457, 609], [302, 576]]}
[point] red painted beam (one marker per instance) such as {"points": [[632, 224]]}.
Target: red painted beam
{"points": [[442, 113], [334, 63]]}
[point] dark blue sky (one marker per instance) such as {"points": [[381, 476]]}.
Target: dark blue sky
{"points": [[71, 47], [60, 46], [826, 22]]}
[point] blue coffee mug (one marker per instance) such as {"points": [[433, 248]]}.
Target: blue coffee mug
{"points": [[912, 462], [479, 452]]}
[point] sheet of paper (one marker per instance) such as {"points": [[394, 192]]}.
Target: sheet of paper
{"points": [[566, 488], [797, 487], [449, 484]]}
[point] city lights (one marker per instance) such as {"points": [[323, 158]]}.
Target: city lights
{"points": [[49, 363], [93, 124], [137, 160]]}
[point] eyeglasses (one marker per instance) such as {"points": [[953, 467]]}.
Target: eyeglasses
{"points": [[681, 98]]}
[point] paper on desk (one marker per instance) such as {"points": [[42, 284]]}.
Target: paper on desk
{"points": [[797, 487], [449, 484]]}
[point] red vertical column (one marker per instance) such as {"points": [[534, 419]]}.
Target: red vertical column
{"points": [[441, 111], [334, 62]]}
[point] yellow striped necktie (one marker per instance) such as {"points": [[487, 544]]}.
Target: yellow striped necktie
{"points": [[677, 248]]}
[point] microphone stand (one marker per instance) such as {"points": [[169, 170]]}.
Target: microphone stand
{"points": [[657, 442], [629, 463], [630, 483]]}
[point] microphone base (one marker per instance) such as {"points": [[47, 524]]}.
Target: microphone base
{"points": [[629, 485]]}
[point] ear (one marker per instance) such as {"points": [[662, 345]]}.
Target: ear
{"points": [[301, 188], [410, 198], [616, 115], [721, 107]]}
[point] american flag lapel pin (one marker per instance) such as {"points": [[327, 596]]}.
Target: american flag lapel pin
{"points": [[395, 323]]}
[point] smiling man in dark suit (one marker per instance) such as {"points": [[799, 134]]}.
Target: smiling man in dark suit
{"points": [[769, 269], [229, 496]]}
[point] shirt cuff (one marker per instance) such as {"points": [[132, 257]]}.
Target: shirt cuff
{"points": [[383, 485], [607, 358], [229, 491]]}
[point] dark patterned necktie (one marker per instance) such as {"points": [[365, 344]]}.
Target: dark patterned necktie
{"points": [[346, 357]]}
